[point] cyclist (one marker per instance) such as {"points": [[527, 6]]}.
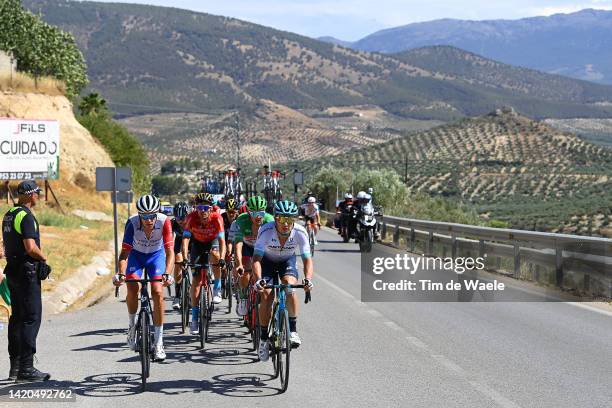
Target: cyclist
{"points": [[312, 218], [147, 244], [203, 227], [181, 210], [276, 248], [246, 235]]}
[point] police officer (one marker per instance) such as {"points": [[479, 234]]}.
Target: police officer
{"points": [[26, 267]]}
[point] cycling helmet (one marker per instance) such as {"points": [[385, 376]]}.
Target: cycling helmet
{"points": [[361, 195], [230, 204], [312, 200], [181, 209], [209, 197], [285, 207], [203, 198], [257, 203], [348, 196], [148, 204]]}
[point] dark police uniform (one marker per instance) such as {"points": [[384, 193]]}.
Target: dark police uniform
{"points": [[18, 224]]}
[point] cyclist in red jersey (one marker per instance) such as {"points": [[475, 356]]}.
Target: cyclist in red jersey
{"points": [[203, 228]]}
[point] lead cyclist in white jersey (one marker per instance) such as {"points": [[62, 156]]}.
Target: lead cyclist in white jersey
{"points": [[277, 246]]}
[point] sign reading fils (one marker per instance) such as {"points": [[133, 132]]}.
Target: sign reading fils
{"points": [[29, 149]]}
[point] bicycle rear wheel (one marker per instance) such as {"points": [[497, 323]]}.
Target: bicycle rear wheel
{"points": [[145, 360], [311, 241], [184, 304], [229, 287], [284, 351]]}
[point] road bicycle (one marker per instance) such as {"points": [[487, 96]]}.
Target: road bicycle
{"points": [[144, 334], [227, 286], [278, 332], [311, 236], [251, 318], [205, 303]]}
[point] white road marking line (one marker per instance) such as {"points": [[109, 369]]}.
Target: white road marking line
{"points": [[441, 359], [393, 325], [449, 364], [590, 308]]}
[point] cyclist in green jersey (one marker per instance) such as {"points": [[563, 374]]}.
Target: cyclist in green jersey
{"points": [[244, 241]]}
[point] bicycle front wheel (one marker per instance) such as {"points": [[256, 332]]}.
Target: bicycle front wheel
{"points": [[184, 304], [145, 360], [229, 283], [284, 351], [203, 313]]}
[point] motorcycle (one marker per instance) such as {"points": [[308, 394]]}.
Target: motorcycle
{"points": [[366, 227]]}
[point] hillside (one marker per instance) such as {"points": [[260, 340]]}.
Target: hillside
{"points": [[575, 45], [80, 153], [149, 59], [507, 166]]}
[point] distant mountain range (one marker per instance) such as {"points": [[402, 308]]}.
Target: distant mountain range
{"points": [[578, 45], [148, 59]]}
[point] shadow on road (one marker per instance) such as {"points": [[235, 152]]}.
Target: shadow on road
{"points": [[338, 250]]}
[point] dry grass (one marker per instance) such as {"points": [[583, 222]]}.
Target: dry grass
{"points": [[21, 82]]}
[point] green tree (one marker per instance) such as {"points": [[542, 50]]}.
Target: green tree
{"points": [[123, 148], [41, 49], [169, 186], [93, 104]]}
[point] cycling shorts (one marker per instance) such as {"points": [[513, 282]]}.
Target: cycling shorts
{"points": [[309, 220], [154, 263], [178, 244], [271, 271], [198, 253], [247, 251]]}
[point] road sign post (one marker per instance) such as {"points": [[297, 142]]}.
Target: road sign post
{"points": [[117, 180]]}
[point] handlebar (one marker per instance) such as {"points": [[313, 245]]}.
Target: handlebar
{"points": [[283, 286]]}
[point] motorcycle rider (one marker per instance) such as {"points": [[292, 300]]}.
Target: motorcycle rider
{"points": [[344, 208]]}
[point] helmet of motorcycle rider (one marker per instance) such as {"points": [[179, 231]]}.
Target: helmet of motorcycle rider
{"points": [[348, 196], [361, 195], [312, 200]]}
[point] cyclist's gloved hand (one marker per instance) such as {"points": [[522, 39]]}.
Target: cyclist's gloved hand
{"points": [[168, 279], [307, 284], [221, 263], [240, 270], [260, 285], [118, 279]]}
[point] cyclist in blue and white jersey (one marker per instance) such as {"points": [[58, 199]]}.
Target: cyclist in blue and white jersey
{"points": [[277, 246], [147, 245]]}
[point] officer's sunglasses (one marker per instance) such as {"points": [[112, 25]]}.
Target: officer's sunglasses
{"points": [[203, 207], [148, 217], [285, 220], [256, 214]]}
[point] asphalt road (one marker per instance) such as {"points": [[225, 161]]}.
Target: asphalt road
{"points": [[353, 354]]}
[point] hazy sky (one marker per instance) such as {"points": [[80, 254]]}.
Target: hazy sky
{"points": [[354, 19]]}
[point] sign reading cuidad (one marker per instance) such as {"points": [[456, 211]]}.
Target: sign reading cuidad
{"points": [[29, 149]]}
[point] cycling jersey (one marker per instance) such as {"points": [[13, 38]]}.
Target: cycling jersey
{"points": [[245, 231], [207, 232], [310, 210], [147, 253], [134, 238], [178, 236], [226, 221], [268, 244]]}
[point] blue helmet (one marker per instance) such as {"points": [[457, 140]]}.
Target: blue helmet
{"points": [[285, 207]]}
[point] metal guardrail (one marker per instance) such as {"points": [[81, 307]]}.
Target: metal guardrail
{"points": [[563, 253]]}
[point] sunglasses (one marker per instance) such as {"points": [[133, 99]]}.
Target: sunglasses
{"points": [[148, 217], [285, 220], [203, 207], [256, 214], [231, 213]]}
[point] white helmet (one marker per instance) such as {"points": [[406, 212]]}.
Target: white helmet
{"points": [[361, 195], [348, 196], [148, 204], [312, 200]]}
